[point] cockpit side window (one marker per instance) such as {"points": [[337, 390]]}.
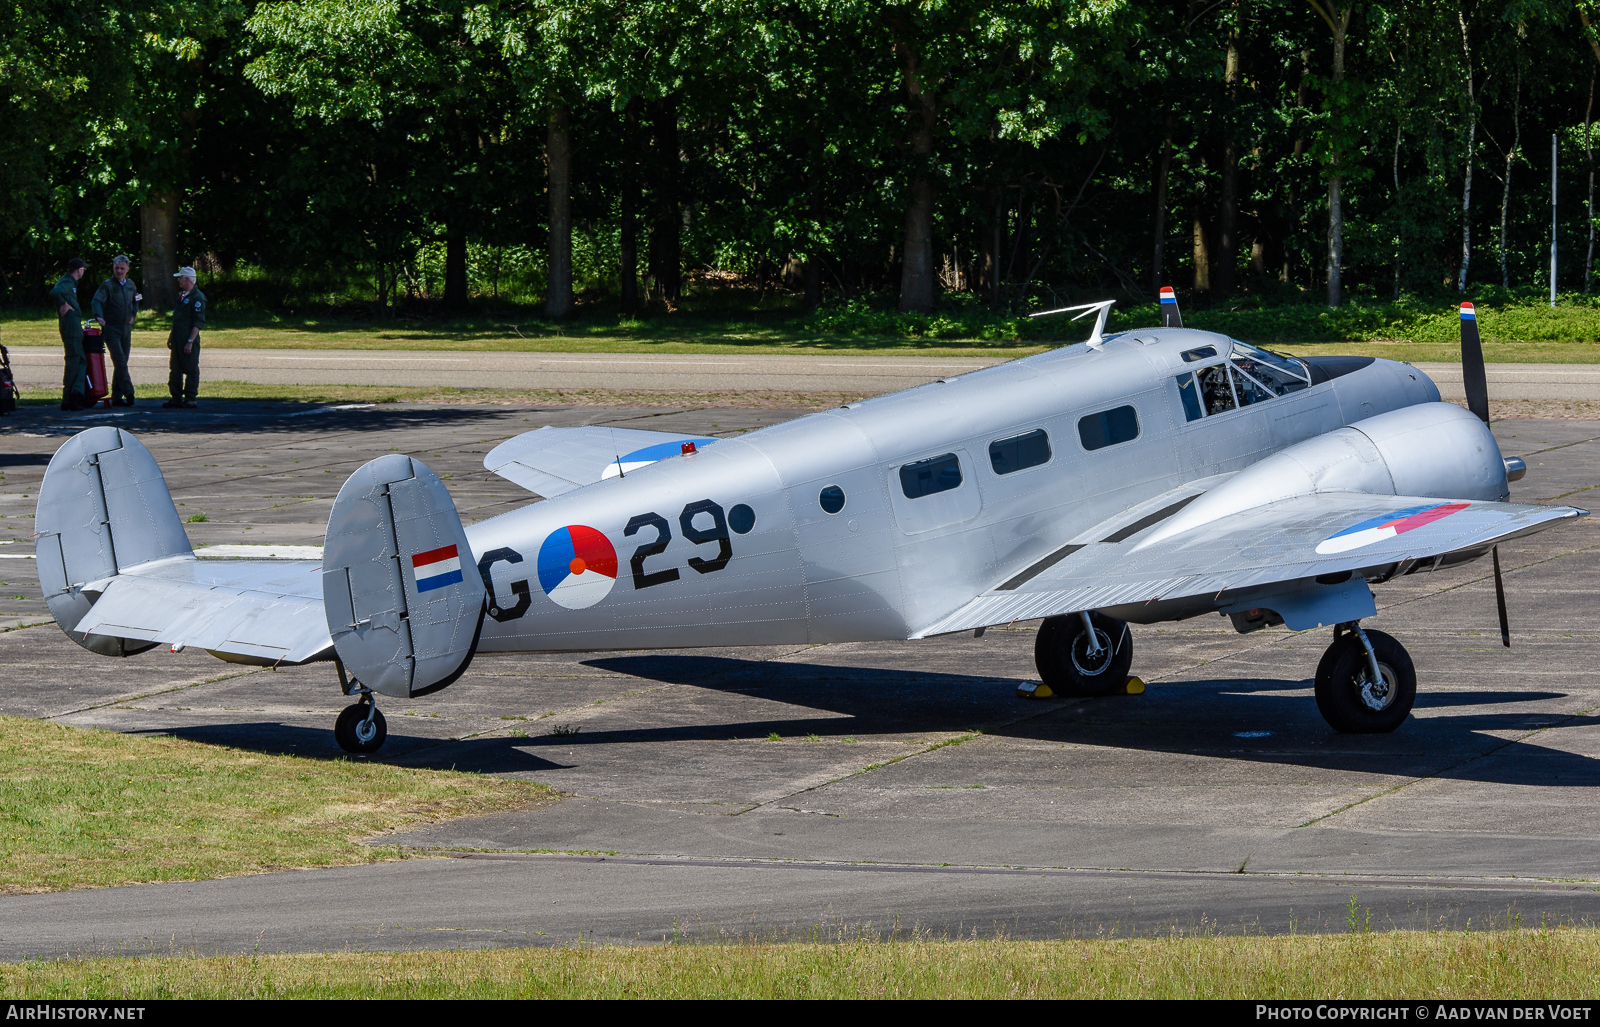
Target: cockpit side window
{"points": [[1248, 389], [1190, 394], [1273, 378], [1216, 393]]}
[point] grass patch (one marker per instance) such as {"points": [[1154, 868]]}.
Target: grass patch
{"points": [[82, 808], [1547, 964], [1516, 329]]}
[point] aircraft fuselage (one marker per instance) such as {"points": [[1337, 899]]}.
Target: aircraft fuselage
{"points": [[873, 520]]}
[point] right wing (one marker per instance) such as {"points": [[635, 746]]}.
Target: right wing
{"points": [[1272, 555], [552, 461]]}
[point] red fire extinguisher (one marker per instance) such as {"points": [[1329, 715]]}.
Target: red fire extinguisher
{"points": [[94, 354]]}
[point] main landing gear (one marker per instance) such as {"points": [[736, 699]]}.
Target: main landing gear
{"points": [[360, 727], [1083, 654], [1365, 682]]}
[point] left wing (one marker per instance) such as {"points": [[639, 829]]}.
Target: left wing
{"points": [[1277, 549], [553, 461]]}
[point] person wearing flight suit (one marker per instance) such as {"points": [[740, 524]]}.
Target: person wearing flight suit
{"points": [[115, 305], [188, 317], [74, 384]]}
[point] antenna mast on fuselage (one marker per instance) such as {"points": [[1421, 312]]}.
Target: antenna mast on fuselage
{"points": [[1104, 307]]}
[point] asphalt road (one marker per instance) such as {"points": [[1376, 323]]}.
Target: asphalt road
{"points": [[40, 367], [1217, 800]]}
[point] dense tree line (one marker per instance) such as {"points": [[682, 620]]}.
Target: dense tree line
{"points": [[1004, 152]]}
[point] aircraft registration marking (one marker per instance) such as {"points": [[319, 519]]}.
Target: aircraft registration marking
{"points": [[1386, 526]]}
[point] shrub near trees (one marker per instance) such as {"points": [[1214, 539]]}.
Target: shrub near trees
{"points": [[965, 151]]}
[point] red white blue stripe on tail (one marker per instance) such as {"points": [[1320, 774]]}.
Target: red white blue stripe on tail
{"points": [[1468, 313], [436, 568], [1167, 295]]}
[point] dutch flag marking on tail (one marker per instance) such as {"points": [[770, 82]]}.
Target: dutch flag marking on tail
{"points": [[436, 568], [1468, 313]]}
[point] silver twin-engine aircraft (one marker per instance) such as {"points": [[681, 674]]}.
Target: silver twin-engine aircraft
{"points": [[1146, 476]]}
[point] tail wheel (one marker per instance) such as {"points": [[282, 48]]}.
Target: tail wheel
{"points": [[1349, 698], [357, 733], [1071, 665]]}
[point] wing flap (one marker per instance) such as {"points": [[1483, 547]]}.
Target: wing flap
{"points": [[263, 610], [1284, 543], [553, 461]]}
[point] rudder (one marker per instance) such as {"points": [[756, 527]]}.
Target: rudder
{"points": [[403, 608], [103, 508]]}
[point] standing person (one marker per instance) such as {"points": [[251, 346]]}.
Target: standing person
{"points": [[188, 317], [115, 305], [74, 390]]}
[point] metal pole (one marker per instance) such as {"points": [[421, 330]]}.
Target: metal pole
{"points": [[1552, 219]]}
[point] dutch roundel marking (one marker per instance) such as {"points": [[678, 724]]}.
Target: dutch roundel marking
{"points": [[436, 568], [1387, 526], [577, 566]]}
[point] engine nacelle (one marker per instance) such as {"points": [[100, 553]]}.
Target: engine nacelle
{"points": [[1432, 451]]}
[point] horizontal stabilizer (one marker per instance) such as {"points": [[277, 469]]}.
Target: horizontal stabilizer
{"points": [[1265, 550], [553, 461], [255, 612]]}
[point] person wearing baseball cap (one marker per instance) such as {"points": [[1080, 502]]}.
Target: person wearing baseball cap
{"points": [[74, 382], [183, 368], [115, 305]]}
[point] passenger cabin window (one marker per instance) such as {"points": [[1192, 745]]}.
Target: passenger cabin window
{"points": [[931, 476], [1019, 451], [1108, 428]]}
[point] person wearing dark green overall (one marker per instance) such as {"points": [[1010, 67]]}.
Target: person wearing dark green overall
{"points": [[188, 317], [74, 383], [115, 305]]}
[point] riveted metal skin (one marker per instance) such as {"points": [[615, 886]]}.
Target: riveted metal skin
{"points": [[103, 510], [393, 636]]}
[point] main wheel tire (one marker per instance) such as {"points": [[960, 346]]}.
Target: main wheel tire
{"points": [[1060, 652], [1348, 698], [354, 734]]}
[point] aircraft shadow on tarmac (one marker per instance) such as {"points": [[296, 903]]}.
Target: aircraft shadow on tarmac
{"points": [[1205, 717], [1200, 716]]}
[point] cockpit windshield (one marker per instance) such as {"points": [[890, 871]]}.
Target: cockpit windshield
{"points": [[1278, 374]]}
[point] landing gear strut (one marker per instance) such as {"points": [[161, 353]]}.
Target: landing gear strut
{"points": [[1083, 654], [360, 727], [1365, 682]]}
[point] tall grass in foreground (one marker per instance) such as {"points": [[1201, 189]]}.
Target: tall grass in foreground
{"points": [[1560, 963]]}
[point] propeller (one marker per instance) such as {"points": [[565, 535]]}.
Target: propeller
{"points": [[1473, 376], [1500, 598], [1170, 318], [1475, 379]]}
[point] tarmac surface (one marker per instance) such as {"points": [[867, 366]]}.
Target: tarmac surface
{"points": [[909, 788], [39, 367]]}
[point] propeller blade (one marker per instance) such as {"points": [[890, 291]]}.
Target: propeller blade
{"points": [[1473, 376], [1170, 318], [1500, 598]]}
